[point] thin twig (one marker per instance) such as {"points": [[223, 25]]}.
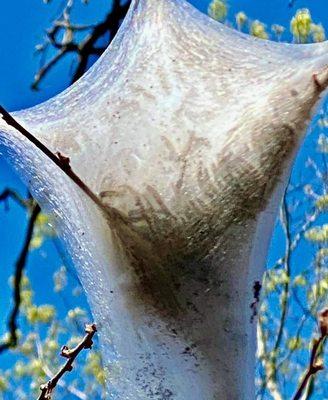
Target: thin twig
{"points": [[270, 381], [286, 286], [61, 36], [62, 384], [48, 388], [10, 193], [315, 365], [19, 269], [61, 161]]}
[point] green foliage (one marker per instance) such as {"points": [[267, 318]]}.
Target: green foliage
{"points": [[318, 234], [42, 314], [300, 25], [218, 10], [303, 28], [318, 33], [258, 30], [322, 202], [3, 384], [241, 20], [94, 368], [42, 231], [294, 343]]}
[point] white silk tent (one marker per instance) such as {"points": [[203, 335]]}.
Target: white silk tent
{"points": [[185, 129]]}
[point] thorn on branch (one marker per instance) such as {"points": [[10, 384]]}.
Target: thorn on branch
{"points": [[65, 161], [61, 161], [86, 343]]}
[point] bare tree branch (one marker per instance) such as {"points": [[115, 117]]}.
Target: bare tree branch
{"points": [[63, 384], [61, 161], [48, 388], [61, 36], [10, 193], [19, 269]]}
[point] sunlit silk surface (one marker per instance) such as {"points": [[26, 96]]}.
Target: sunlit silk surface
{"points": [[184, 128]]}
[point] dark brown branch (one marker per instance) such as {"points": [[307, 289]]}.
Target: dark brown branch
{"points": [[110, 25], [19, 270], [314, 364], [257, 286], [48, 388], [9, 193], [64, 30], [61, 161]]}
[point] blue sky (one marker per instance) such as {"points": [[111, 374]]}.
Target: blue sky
{"points": [[22, 26]]}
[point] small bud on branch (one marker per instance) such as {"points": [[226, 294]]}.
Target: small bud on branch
{"points": [[86, 343], [60, 160], [323, 322]]}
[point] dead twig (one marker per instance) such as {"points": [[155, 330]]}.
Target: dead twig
{"points": [[48, 388]]}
